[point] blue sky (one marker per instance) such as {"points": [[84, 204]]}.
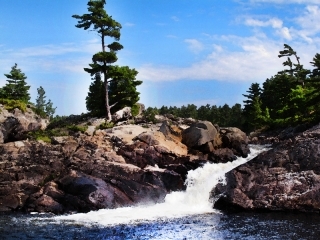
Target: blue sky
{"points": [[195, 51]]}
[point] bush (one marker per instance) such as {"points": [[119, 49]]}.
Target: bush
{"points": [[135, 110], [77, 128], [40, 135], [105, 125], [150, 114], [10, 104]]}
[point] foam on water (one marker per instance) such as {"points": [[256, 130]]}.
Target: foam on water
{"points": [[195, 200]]}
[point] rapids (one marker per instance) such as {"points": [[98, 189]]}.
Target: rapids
{"points": [[193, 201]]}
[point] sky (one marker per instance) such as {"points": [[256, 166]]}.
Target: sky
{"points": [[186, 51]]}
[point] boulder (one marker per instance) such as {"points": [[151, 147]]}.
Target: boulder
{"points": [[222, 155], [15, 125], [199, 134], [123, 114], [236, 140]]}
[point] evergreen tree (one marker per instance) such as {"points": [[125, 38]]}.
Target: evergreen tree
{"points": [[295, 69], [95, 101], [40, 101], [44, 108], [275, 94], [164, 110], [123, 87], [49, 109], [105, 26], [252, 111], [225, 115], [16, 87], [314, 84], [215, 115], [236, 116], [204, 112]]}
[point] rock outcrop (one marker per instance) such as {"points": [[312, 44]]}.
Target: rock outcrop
{"points": [[233, 138], [287, 177], [15, 125], [77, 174], [121, 166]]}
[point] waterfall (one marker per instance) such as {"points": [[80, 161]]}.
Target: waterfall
{"points": [[194, 200]]}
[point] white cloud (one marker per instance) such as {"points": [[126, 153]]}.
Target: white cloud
{"points": [[217, 48], [194, 45], [285, 33], [309, 22], [55, 58], [175, 18], [273, 22], [256, 61]]}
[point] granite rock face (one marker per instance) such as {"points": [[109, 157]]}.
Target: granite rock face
{"points": [[15, 125], [287, 177], [77, 174], [122, 166]]}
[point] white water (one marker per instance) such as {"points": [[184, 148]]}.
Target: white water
{"points": [[195, 200]]}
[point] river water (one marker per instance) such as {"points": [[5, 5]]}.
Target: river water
{"points": [[183, 215]]}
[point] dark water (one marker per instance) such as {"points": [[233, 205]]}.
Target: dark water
{"points": [[208, 226]]}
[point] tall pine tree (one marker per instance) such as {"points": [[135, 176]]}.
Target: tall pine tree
{"points": [[98, 20]]}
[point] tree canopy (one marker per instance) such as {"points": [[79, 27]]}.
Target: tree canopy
{"points": [[16, 87]]}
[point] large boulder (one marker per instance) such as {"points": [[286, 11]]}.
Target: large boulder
{"points": [[287, 177], [200, 134], [15, 125], [236, 140], [123, 114]]}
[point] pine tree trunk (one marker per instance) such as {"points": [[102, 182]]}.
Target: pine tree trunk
{"points": [[108, 113]]}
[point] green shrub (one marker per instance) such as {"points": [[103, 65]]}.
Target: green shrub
{"points": [[40, 112], [78, 128], [150, 114], [135, 110], [40, 135], [10, 104], [105, 125]]}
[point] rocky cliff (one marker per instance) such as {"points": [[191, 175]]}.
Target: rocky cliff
{"points": [[286, 178]]}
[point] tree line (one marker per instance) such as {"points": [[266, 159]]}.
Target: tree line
{"points": [[289, 98], [221, 115]]}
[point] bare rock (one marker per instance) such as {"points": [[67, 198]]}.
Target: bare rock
{"points": [[15, 125], [236, 140], [285, 178], [123, 114], [199, 134]]}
